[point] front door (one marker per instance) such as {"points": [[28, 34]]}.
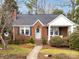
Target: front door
{"points": [[37, 33]]}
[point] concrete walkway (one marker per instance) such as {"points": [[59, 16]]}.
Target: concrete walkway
{"points": [[34, 53]]}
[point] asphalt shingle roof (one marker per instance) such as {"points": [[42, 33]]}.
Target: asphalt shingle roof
{"points": [[32, 18]]}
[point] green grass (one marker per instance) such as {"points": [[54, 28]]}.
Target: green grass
{"points": [[60, 51], [15, 49]]}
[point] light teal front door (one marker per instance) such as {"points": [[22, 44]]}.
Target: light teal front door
{"points": [[37, 33]]}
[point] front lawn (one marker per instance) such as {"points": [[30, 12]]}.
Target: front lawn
{"points": [[58, 53], [54, 50], [15, 49]]}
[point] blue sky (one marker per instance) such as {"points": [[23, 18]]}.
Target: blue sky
{"points": [[23, 9]]}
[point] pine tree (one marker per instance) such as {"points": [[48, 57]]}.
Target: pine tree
{"points": [[73, 4], [31, 5], [77, 12], [58, 11], [69, 16]]}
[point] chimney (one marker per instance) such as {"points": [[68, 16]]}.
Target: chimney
{"points": [[14, 14]]}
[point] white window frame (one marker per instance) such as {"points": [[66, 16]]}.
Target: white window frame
{"points": [[54, 29], [24, 28]]}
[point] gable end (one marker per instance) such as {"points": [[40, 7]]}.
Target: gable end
{"points": [[38, 21]]}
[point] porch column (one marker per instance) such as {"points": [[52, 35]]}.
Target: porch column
{"points": [[49, 33], [72, 29]]}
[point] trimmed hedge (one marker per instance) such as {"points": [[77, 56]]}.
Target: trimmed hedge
{"points": [[59, 42], [56, 41], [74, 41]]}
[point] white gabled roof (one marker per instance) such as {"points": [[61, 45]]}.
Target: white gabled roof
{"points": [[61, 20], [38, 21]]}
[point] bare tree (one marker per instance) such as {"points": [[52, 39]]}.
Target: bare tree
{"points": [[6, 18], [5, 15]]}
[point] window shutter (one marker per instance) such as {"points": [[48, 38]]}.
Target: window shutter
{"points": [[18, 32], [30, 30]]}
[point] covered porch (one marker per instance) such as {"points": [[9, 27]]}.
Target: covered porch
{"points": [[59, 31], [62, 31], [60, 26]]}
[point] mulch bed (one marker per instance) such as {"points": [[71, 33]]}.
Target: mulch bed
{"points": [[27, 46], [51, 47]]}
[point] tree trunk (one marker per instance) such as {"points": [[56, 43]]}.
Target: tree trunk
{"points": [[3, 43]]}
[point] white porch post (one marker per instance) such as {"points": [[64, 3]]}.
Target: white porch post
{"points": [[49, 33], [72, 29]]}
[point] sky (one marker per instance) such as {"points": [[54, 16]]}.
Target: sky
{"points": [[24, 10]]}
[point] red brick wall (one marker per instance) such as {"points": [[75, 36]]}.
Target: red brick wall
{"points": [[17, 34], [43, 31]]}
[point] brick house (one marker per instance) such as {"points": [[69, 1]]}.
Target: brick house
{"points": [[40, 26]]}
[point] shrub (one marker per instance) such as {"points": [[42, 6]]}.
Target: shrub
{"points": [[21, 41], [74, 41], [56, 41], [44, 41], [65, 42], [32, 41]]}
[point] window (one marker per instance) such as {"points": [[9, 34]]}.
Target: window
{"points": [[54, 31], [37, 30], [22, 31], [51, 31], [25, 31]]}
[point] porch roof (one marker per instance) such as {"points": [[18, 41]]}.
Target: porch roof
{"points": [[61, 20]]}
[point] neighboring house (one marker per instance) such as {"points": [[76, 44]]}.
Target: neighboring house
{"points": [[40, 26]]}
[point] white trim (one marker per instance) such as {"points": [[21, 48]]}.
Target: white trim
{"points": [[38, 21], [22, 25]]}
